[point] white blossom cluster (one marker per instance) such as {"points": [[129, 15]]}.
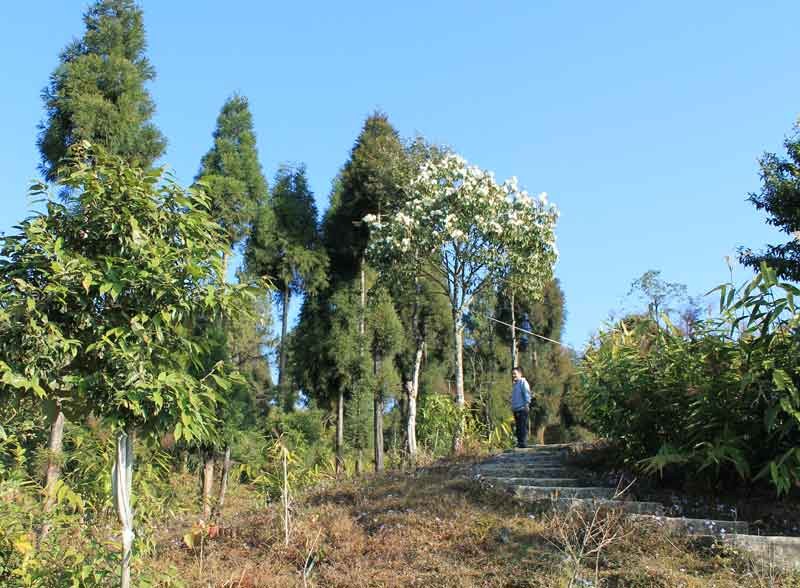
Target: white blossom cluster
{"points": [[458, 215]]}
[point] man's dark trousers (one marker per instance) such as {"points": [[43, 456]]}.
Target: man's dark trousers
{"points": [[521, 424]]}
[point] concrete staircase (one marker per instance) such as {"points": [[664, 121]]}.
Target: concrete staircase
{"points": [[541, 474]]}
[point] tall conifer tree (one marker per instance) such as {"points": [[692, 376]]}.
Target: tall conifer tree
{"points": [[369, 183], [98, 94], [231, 172], [285, 246], [231, 176]]}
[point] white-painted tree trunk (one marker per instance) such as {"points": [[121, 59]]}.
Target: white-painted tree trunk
{"points": [[121, 484], [412, 392], [458, 336], [377, 419]]}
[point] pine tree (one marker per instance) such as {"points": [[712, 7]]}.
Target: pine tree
{"points": [[98, 94], [780, 199], [285, 246], [231, 172]]}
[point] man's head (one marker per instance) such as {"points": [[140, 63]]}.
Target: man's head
{"points": [[516, 373]]}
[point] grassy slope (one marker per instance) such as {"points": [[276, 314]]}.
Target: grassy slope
{"points": [[432, 529]]}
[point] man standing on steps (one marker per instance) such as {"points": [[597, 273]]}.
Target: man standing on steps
{"points": [[520, 399]]}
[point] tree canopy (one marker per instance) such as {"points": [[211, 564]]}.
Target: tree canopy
{"points": [[97, 93], [780, 200], [230, 172]]}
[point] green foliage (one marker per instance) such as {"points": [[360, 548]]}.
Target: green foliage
{"points": [[98, 94], [385, 328], [549, 367], [285, 244], [658, 293], [780, 200], [230, 173], [98, 292], [368, 183], [721, 403], [439, 419], [303, 435]]}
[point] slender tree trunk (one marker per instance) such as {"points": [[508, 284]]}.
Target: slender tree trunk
{"points": [[223, 484], [208, 482], [122, 480], [377, 418], [55, 447], [285, 296], [359, 461], [513, 332], [411, 410], [340, 433], [184, 467], [285, 499], [362, 318], [412, 387], [458, 348]]}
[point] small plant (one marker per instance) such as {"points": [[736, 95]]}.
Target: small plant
{"points": [[582, 535]]}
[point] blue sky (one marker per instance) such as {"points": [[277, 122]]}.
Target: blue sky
{"points": [[643, 121]]}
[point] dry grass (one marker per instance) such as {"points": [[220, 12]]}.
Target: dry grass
{"points": [[430, 529]]}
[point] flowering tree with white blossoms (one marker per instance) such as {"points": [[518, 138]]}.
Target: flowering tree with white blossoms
{"points": [[465, 231]]}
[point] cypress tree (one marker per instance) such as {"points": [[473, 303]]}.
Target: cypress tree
{"points": [[780, 199], [231, 177], [97, 93], [231, 172], [368, 184], [285, 246]]}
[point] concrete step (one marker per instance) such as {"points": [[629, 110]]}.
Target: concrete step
{"points": [[550, 482], [560, 447], [506, 471], [544, 463], [555, 492], [684, 526], [627, 506], [770, 551], [527, 457]]}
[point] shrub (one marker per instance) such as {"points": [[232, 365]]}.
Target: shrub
{"points": [[718, 402]]}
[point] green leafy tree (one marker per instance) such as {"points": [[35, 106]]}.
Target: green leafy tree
{"points": [[98, 301], [470, 231], [314, 365], [286, 247], [661, 296], [366, 183], [98, 94], [230, 171], [780, 199]]}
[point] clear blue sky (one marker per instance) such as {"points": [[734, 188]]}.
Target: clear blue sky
{"points": [[642, 120]]}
